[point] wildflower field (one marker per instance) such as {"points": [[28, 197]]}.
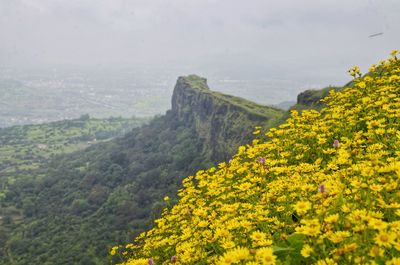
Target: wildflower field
{"points": [[323, 188]]}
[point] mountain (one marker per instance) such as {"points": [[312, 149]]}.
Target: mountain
{"points": [[220, 121], [81, 203], [285, 105], [322, 189]]}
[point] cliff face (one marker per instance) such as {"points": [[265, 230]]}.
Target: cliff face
{"points": [[220, 121]]}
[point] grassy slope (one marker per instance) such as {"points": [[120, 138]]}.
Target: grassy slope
{"points": [[297, 199]]}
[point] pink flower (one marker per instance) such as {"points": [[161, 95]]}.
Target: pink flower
{"points": [[261, 160], [336, 144], [322, 188], [174, 259], [150, 261]]}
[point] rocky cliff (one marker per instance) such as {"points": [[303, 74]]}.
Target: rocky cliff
{"points": [[220, 121]]}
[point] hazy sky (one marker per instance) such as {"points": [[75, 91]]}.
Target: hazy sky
{"points": [[296, 36]]}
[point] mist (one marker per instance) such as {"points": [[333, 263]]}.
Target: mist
{"points": [[133, 51], [302, 36]]}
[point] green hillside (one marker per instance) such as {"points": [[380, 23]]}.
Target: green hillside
{"points": [[323, 189], [28, 147], [24, 150], [87, 200]]}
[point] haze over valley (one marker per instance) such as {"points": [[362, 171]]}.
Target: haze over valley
{"points": [[31, 96], [63, 59]]}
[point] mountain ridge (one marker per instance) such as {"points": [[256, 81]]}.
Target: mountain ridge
{"points": [[215, 115]]}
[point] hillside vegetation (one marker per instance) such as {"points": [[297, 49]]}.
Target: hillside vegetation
{"points": [[200, 84], [323, 188], [30, 146], [85, 201], [25, 150]]}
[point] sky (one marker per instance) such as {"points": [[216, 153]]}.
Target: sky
{"points": [[314, 39]]}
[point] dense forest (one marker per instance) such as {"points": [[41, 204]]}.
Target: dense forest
{"points": [[93, 197], [25, 150]]}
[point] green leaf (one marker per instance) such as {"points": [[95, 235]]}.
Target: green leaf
{"points": [[296, 240], [278, 249]]}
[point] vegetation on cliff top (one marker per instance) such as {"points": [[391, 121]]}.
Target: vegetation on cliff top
{"points": [[323, 189], [268, 112]]}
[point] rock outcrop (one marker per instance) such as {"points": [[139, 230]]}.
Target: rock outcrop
{"points": [[220, 121]]}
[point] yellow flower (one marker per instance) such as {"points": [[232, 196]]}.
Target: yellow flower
{"points": [[310, 228], [361, 84], [376, 187], [385, 239], [306, 251], [256, 132], [332, 218], [397, 245], [346, 208], [338, 236], [258, 236], [139, 262], [377, 224], [302, 207], [376, 252], [235, 255], [397, 212], [265, 256], [241, 253], [355, 71], [394, 261], [227, 244], [263, 243], [114, 250]]}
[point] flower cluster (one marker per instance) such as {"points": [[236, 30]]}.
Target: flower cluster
{"points": [[323, 189]]}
